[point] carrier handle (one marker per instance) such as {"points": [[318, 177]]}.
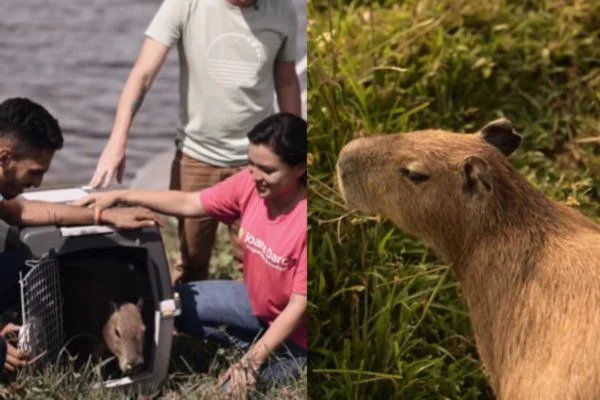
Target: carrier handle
{"points": [[170, 308]]}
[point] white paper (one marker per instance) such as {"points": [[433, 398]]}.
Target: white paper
{"points": [[85, 230], [56, 195]]}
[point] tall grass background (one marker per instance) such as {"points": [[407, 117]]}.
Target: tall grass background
{"points": [[387, 320]]}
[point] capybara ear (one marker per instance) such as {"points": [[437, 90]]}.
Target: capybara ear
{"points": [[477, 176], [114, 307], [140, 303], [500, 134]]}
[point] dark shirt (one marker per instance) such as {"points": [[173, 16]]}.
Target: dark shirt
{"points": [[2, 352]]}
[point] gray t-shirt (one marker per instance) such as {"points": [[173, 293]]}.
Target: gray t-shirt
{"points": [[226, 60]]}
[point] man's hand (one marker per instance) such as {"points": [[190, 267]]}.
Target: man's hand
{"points": [[240, 378], [100, 200], [111, 162], [130, 217], [14, 358]]}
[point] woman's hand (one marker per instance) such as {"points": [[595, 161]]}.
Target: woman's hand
{"points": [[14, 358], [100, 200], [130, 217], [111, 162], [240, 378]]}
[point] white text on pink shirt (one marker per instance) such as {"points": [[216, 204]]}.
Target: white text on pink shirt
{"points": [[272, 259]]}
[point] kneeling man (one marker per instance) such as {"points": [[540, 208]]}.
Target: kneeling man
{"points": [[29, 137]]}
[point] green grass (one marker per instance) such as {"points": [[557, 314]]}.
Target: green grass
{"points": [[193, 374], [386, 319], [194, 365]]}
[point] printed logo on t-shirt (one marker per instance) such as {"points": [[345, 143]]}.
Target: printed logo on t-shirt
{"points": [[234, 60], [272, 259]]}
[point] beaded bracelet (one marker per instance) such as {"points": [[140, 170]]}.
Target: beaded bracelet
{"points": [[98, 216]]}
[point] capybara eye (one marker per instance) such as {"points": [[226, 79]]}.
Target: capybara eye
{"points": [[117, 332], [416, 177]]}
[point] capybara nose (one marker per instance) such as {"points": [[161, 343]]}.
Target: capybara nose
{"points": [[134, 368], [351, 150], [352, 168], [348, 160]]}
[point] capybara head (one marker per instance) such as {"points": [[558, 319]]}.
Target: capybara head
{"points": [[431, 182], [124, 335]]}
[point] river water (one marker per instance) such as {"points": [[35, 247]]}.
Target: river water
{"points": [[73, 57]]}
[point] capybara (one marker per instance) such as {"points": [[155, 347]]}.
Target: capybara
{"points": [[99, 320], [529, 268]]}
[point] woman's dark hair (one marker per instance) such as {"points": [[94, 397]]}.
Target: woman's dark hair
{"points": [[29, 125], [285, 134]]}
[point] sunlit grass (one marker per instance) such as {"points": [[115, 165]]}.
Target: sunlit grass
{"points": [[386, 319]]}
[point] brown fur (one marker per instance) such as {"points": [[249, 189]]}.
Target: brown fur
{"points": [[529, 268], [97, 325], [123, 334]]}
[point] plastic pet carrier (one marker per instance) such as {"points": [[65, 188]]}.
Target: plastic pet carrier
{"points": [[69, 267]]}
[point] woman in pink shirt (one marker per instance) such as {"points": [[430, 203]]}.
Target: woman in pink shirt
{"points": [[265, 315]]}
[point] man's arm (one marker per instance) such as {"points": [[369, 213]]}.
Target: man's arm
{"points": [[23, 212], [147, 66], [140, 80], [287, 87]]}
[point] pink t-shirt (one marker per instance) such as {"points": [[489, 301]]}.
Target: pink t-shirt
{"points": [[274, 249]]}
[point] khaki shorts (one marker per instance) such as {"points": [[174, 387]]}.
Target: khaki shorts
{"points": [[197, 235]]}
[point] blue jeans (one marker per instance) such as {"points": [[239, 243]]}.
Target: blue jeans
{"points": [[220, 311], [10, 266]]}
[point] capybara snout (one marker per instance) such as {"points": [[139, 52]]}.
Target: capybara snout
{"points": [[124, 336], [349, 174], [364, 173]]}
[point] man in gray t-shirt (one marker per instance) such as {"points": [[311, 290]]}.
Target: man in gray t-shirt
{"points": [[233, 55]]}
